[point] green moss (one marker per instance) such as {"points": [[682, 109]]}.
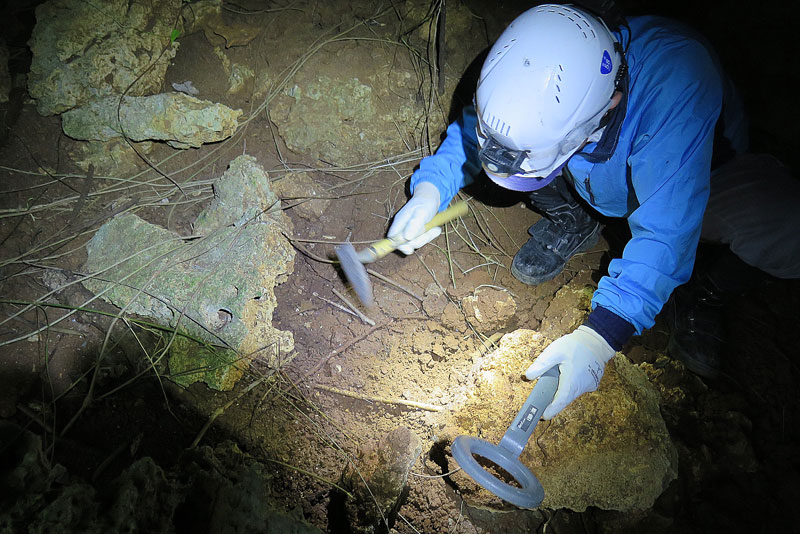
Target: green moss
{"points": [[191, 362]]}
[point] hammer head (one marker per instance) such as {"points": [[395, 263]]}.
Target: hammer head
{"points": [[355, 272]]}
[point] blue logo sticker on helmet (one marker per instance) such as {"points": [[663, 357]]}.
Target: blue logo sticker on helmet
{"points": [[606, 65]]}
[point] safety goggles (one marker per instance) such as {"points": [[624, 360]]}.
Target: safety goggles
{"points": [[503, 161]]}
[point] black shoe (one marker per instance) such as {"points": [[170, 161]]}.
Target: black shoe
{"points": [[550, 247], [696, 311], [697, 332]]}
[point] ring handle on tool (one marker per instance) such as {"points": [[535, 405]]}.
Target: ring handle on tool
{"points": [[506, 453], [531, 493]]}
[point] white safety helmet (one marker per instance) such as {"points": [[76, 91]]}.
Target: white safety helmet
{"points": [[543, 90]]}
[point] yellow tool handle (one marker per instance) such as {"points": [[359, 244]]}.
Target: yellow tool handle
{"points": [[383, 247]]}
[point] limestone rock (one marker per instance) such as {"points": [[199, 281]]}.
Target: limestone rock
{"points": [[377, 479], [219, 288], [111, 158], [213, 490], [343, 119], [359, 102], [179, 119], [461, 23], [608, 449], [489, 309], [83, 51], [299, 190], [240, 76], [206, 15], [229, 491]]}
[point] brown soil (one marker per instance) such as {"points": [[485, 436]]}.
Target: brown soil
{"points": [[737, 436]]}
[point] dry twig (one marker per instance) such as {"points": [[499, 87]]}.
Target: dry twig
{"points": [[221, 410], [355, 310], [389, 281], [340, 350], [375, 398]]}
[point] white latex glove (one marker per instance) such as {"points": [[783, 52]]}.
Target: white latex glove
{"points": [[581, 357], [410, 221]]}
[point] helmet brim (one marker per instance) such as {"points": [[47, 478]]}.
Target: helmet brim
{"points": [[520, 183]]}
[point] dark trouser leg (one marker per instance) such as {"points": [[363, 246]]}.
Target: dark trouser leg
{"points": [[754, 208], [565, 229], [752, 214]]}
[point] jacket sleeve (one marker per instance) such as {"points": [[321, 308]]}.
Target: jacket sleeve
{"points": [[669, 169], [456, 162]]}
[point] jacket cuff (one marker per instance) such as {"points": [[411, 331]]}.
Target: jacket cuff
{"points": [[613, 328]]}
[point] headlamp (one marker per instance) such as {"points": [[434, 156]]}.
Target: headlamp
{"points": [[500, 160]]}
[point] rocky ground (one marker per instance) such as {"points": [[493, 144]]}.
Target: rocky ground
{"points": [[339, 102]]}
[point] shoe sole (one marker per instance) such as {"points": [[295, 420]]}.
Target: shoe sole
{"points": [[590, 241], [698, 368]]}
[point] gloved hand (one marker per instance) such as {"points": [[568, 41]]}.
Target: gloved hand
{"points": [[409, 222], [581, 357]]}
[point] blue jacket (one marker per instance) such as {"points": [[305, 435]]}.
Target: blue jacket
{"points": [[652, 166]]}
